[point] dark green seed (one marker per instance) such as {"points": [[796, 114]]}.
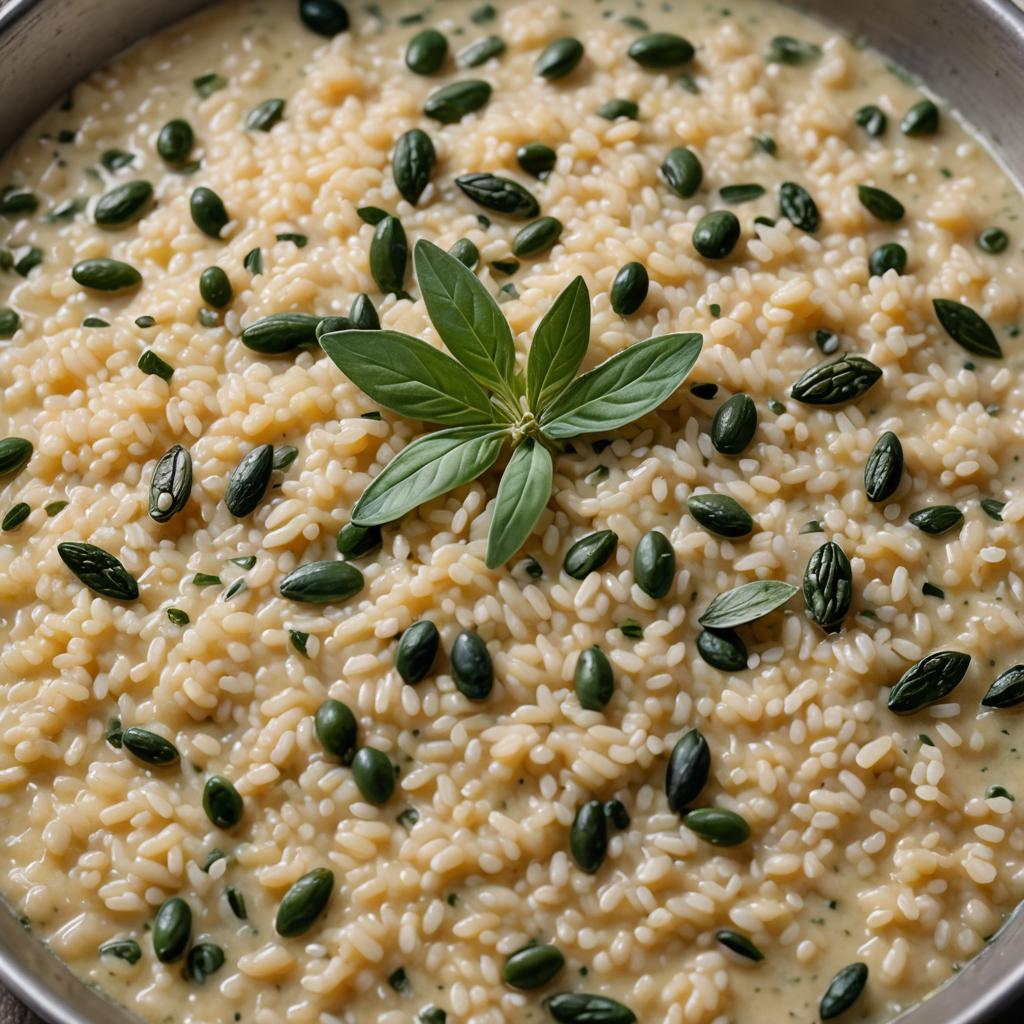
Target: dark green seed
{"points": [[880, 204], [766, 144], [615, 811], [374, 775], [299, 640], [222, 802], [884, 468], [993, 508], [1008, 689], [336, 729], [115, 733], [843, 990], [152, 365], [842, 380], [99, 570], [629, 289], [280, 332], [215, 288], [994, 791], [734, 424], [931, 679], [253, 261], [95, 321], [175, 141], [797, 206], [426, 52], [208, 212], [304, 902], [687, 773], [356, 541], [413, 163], [105, 275], [204, 959], [583, 1008], [921, 119], [124, 949], [654, 564], [734, 194], [14, 454], [466, 253], [610, 110], [206, 85], [967, 328], [501, 194], [661, 50], [178, 617], [149, 747], [827, 342], [538, 236], [828, 586], [937, 519], [472, 668], [249, 480], [993, 240], [589, 553], [738, 944], [322, 582], [371, 215], [324, 17], [15, 516], [265, 115], [172, 928], [417, 649], [593, 680], [930, 590], [432, 1015], [65, 211], [720, 514], [10, 321], [789, 50], [214, 856], [331, 324], [16, 201], [399, 981], [389, 255], [588, 838], [236, 901], [171, 484], [722, 649], [537, 159], [481, 51], [532, 966], [205, 579], [717, 826], [716, 234], [683, 172], [559, 58], [482, 14], [872, 119], [123, 204], [890, 256], [509, 266], [452, 102]]}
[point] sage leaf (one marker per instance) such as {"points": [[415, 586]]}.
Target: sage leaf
{"points": [[522, 495], [746, 603], [967, 328], [559, 346]]}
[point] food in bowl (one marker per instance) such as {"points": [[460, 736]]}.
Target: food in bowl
{"points": [[510, 513]]}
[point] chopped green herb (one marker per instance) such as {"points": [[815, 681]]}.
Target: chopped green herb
{"points": [[208, 84], [632, 629], [205, 579], [150, 363], [299, 640]]}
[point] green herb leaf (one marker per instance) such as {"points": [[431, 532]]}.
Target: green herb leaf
{"points": [[746, 603], [967, 328], [522, 495], [208, 84], [559, 345]]}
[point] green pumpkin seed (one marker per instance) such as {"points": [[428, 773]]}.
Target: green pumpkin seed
{"points": [[204, 959], [356, 541], [716, 234], [304, 902], [588, 838], [717, 826], [735, 194], [124, 949], [413, 163], [880, 204], [722, 649], [688, 768], [559, 58], [431, 1015], [175, 141], [206, 85], [481, 51], [426, 52], [629, 289], [16, 201], [27, 258], [931, 679], [921, 119], [797, 206], [538, 236], [583, 1008], [123, 204], [890, 256], [215, 287], [937, 519], [993, 240], [654, 564], [178, 617], [208, 212], [336, 729], [828, 586], [588, 554], [374, 775], [324, 17], [746, 603], [331, 324], [1008, 689], [105, 275], [149, 747], [842, 380], [734, 424], [265, 115], [683, 172], [993, 508], [171, 484], [872, 119], [537, 159], [843, 990], [236, 901], [322, 582], [501, 194], [593, 679], [253, 261], [172, 928], [789, 50], [532, 966], [280, 332], [222, 802], [466, 253], [15, 516], [967, 328], [472, 668], [451, 103], [10, 321], [14, 454], [615, 811], [152, 365], [738, 944], [417, 649], [389, 256], [661, 50], [720, 514], [99, 570], [884, 468], [249, 480], [611, 110]]}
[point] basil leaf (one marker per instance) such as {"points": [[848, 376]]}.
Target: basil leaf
{"points": [[746, 603], [522, 495], [428, 467], [623, 388], [409, 377], [466, 317], [559, 345]]}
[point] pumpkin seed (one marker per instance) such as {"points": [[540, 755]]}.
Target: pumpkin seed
{"points": [[322, 582], [336, 729], [208, 212], [993, 240], [588, 838], [280, 332], [797, 206], [480, 52], [738, 944], [993, 508], [789, 50], [123, 204], [413, 163], [880, 204], [1008, 689], [149, 747], [589, 553], [304, 902], [452, 102], [734, 424], [889, 256], [14, 454], [466, 253], [532, 966], [324, 17], [843, 990], [717, 826], [559, 58], [152, 365], [265, 115], [236, 901], [593, 680], [124, 949], [921, 119], [105, 275], [15, 200], [884, 468], [661, 50], [615, 811], [99, 570], [10, 321], [828, 586], [330, 324], [472, 668], [746, 603], [716, 234], [178, 617], [426, 52], [583, 1008], [629, 289], [688, 768], [172, 928], [537, 159], [417, 649], [389, 256], [872, 119], [215, 288], [654, 564], [722, 649], [356, 541], [842, 380], [720, 514], [299, 641], [500, 194], [222, 802], [432, 1015], [248, 481], [538, 236], [735, 194], [15, 516], [967, 328], [171, 484], [937, 519], [204, 959], [206, 85], [175, 141], [374, 775], [611, 110], [931, 679], [682, 171]]}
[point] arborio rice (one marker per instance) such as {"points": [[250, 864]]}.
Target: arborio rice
{"points": [[874, 838]]}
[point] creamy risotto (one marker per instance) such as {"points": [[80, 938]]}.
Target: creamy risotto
{"points": [[272, 751]]}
